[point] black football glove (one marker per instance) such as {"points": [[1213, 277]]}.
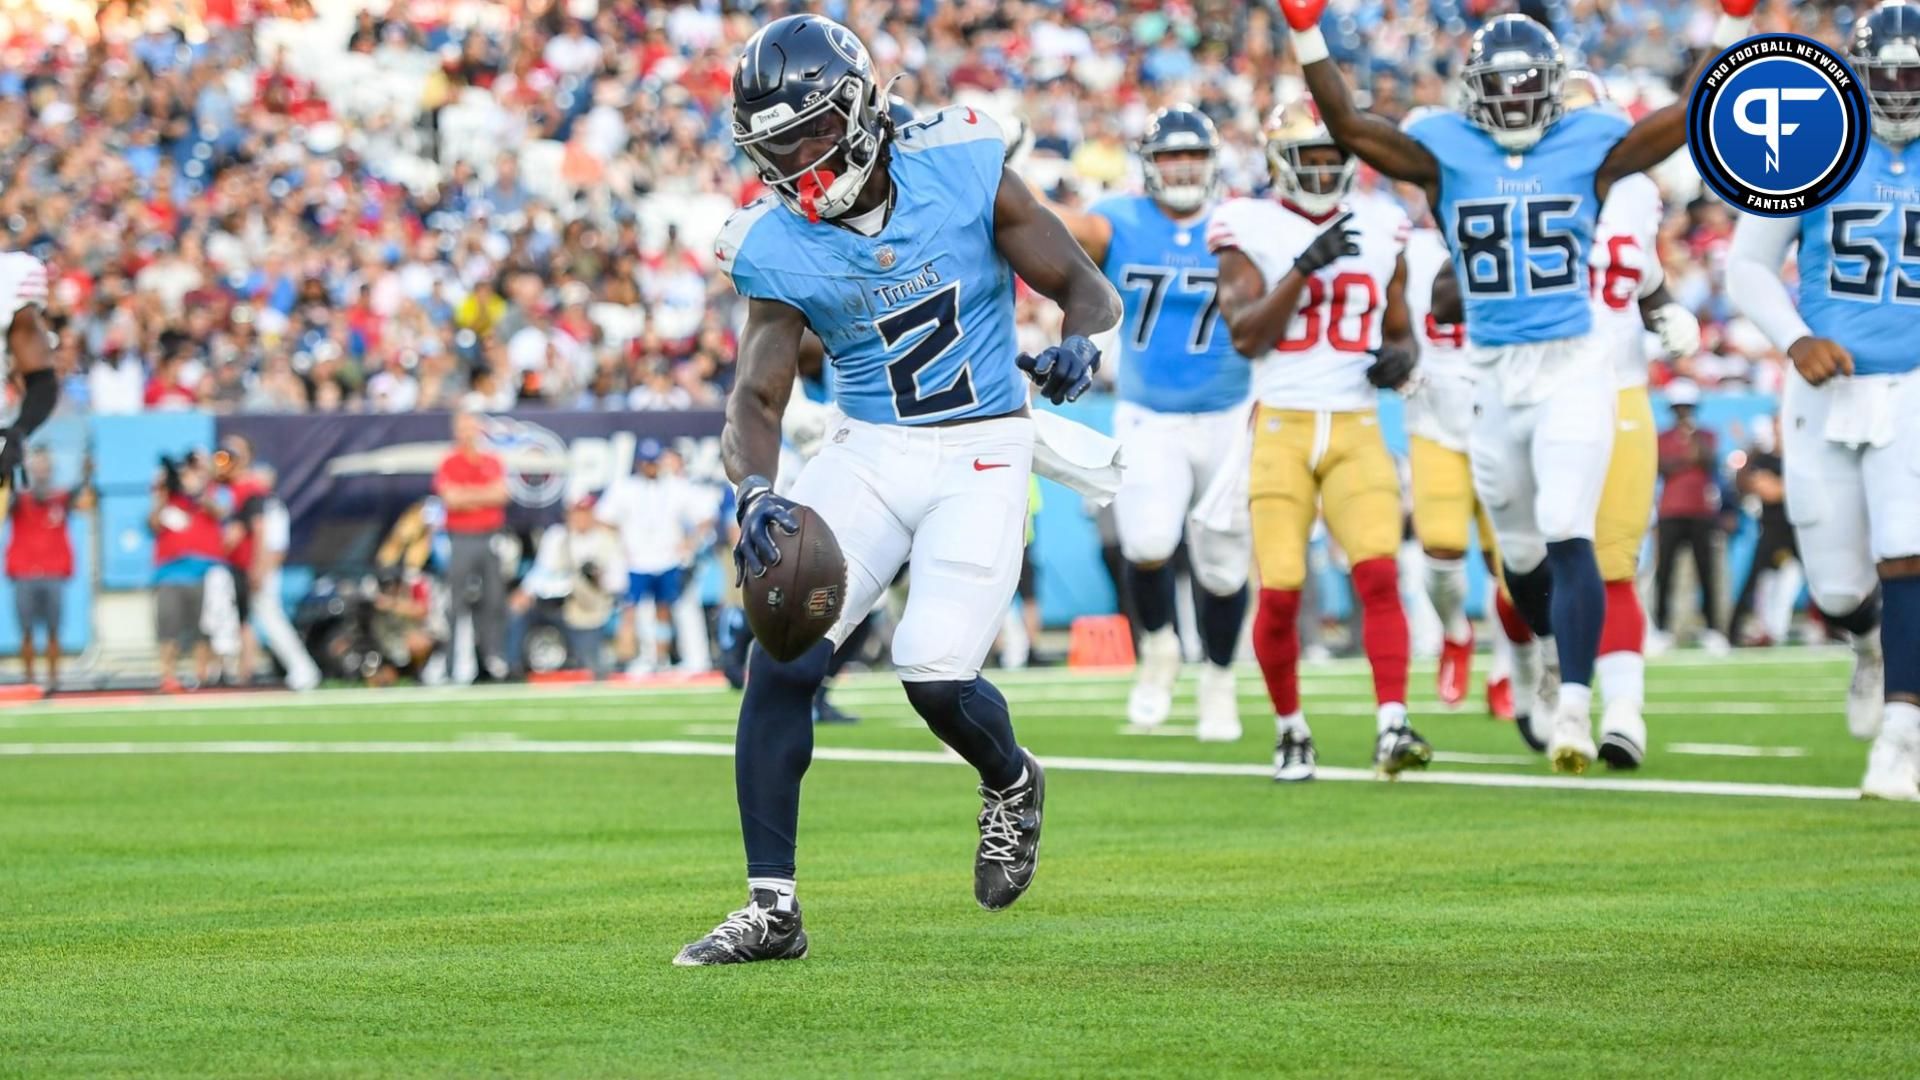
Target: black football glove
{"points": [[759, 511], [1392, 367], [1337, 240], [13, 449], [1062, 372]]}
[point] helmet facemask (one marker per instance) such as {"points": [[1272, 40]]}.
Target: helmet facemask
{"points": [[1183, 179], [1891, 77], [1313, 174], [818, 159], [1514, 97]]}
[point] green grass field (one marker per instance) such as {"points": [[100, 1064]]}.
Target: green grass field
{"points": [[464, 884]]}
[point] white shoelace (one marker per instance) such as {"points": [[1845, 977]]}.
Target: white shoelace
{"points": [[749, 919], [1000, 825]]}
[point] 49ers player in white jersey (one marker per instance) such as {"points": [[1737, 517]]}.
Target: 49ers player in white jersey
{"points": [[24, 357], [1445, 508], [1313, 290]]}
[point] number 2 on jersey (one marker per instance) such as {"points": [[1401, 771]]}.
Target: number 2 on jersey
{"points": [[1153, 281], [941, 311]]}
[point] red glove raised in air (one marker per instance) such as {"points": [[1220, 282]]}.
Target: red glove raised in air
{"points": [[1305, 14], [1739, 9]]}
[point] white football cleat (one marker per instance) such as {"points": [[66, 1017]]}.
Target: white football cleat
{"points": [[1547, 698], [1219, 705], [1867, 693], [1570, 747], [1623, 735], [1715, 643], [1526, 678], [1893, 765], [1657, 643], [1159, 665]]}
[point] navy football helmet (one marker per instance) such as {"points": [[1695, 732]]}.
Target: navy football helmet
{"points": [[806, 109], [1512, 80], [1885, 52], [1189, 173]]}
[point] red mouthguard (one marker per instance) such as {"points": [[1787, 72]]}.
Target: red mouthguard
{"points": [[811, 188]]}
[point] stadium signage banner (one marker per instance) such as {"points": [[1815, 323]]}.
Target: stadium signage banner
{"points": [[358, 468]]}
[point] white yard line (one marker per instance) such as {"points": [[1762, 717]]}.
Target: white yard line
{"points": [[628, 708], [1452, 757], [1043, 679], [679, 748], [1714, 749]]}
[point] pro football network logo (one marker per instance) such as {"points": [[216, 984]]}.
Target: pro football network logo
{"points": [[1778, 124]]}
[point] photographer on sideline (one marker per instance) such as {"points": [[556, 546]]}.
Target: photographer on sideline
{"points": [[577, 573], [40, 557], [187, 543]]}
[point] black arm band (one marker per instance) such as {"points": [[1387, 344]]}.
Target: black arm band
{"points": [[43, 389]]}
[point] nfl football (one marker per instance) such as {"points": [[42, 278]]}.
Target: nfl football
{"points": [[798, 599]]}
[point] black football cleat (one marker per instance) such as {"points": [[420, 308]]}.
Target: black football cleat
{"points": [[1399, 749], [755, 932], [826, 712], [1523, 723], [1009, 838], [1293, 758]]}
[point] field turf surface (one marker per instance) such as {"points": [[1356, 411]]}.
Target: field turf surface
{"points": [[449, 883]]}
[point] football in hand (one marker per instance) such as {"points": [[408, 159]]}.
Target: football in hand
{"points": [[799, 598]]}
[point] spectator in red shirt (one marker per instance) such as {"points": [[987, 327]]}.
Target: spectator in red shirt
{"points": [[167, 390], [40, 559], [472, 483], [1689, 513], [187, 543]]}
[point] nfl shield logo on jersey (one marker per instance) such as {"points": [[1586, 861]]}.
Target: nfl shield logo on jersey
{"points": [[1778, 125], [884, 256]]}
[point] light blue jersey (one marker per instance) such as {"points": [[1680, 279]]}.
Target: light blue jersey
{"points": [[1175, 356], [918, 320], [1520, 225], [1860, 263]]}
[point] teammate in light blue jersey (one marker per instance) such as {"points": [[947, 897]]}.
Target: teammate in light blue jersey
{"points": [[1535, 290], [1850, 424], [898, 248], [1182, 392], [1518, 182], [917, 318]]}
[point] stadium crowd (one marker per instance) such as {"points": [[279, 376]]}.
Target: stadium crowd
{"points": [[464, 202], [298, 205]]}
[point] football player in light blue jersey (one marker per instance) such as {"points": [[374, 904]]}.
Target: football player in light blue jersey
{"points": [[898, 248], [1851, 419], [1517, 182], [1182, 395]]}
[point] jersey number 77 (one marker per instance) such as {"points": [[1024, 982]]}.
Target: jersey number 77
{"points": [[1152, 284]]}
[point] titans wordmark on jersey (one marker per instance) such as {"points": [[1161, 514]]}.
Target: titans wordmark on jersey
{"points": [[1860, 263], [1175, 356], [1520, 225], [918, 320]]}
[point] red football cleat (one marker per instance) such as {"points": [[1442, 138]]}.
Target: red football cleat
{"points": [[1500, 699], [1456, 671]]}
